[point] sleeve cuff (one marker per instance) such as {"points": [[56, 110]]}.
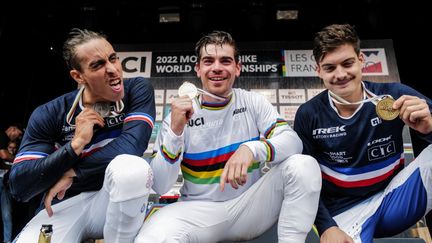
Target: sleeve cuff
{"points": [[252, 146], [171, 146], [323, 227], [70, 151], [74, 157]]}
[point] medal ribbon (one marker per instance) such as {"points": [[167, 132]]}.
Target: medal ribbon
{"points": [[372, 98], [213, 95]]}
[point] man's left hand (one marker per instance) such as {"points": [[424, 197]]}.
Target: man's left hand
{"points": [[415, 113]]}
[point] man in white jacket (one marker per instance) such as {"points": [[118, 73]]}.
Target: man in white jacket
{"points": [[219, 144]]}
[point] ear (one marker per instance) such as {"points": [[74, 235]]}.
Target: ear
{"points": [[76, 75], [238, 69], [197, 70], [362, 58], [318, 70]]}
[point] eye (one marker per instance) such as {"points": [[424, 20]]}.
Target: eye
{"points": [[226, 61], [98, 64], [348, 64], [113, 58], [207, 61], [329, 69]]}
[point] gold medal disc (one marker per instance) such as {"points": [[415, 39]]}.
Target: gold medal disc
{"points": [[384, 109]]}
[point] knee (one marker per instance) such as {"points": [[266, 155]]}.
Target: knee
{"points": [[128, 177], [302, 170]]}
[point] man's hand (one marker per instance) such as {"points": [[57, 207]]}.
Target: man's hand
{"points": [[85, 122], [59, 190], [235, 170], [335, 235], [415, 113], [181, 112]]}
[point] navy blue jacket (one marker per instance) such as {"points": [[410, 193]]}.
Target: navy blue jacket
{"points": [[358, 155], [46, 152]]}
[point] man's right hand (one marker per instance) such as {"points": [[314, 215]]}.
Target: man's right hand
{"points": [[335, 235], [181, 112], [85, 122]]}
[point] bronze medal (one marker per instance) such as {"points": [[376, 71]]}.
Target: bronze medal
{"points": [[384, 109]]}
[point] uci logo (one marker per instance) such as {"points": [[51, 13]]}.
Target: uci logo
{"points": [[136, 63], [196, 122]]}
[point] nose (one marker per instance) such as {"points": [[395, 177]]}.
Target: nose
{"points": [[340, 73], [216, 67], [110, 67]]}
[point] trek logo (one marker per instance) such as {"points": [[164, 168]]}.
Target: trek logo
{"points": [[381, 151], [329, 132], [114, 121], [196, 122], [239, 110]]}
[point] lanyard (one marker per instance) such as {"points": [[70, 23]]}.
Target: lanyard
{"points": [[367, 93]]}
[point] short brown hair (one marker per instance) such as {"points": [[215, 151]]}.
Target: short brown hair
{"points": [[333, 36], [217, 38]]}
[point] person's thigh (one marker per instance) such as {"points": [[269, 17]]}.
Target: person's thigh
{"points": [[407, 197], [260, 204], [404, 201], [187, 221], [69, 221], [288, 193], [96, 215]]}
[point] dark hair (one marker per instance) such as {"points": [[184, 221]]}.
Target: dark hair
{"points": [[18, 125], [217, 38], [16, 142], [77, 37], [332, 37]]}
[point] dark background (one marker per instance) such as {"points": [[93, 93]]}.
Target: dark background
{"points": [[32, 71], [31, 34]]}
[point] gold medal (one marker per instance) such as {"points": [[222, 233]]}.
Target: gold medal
{"points": [[384, 109]]}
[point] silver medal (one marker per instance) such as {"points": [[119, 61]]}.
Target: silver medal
{"points": [[188, 89], [103, 108]]}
